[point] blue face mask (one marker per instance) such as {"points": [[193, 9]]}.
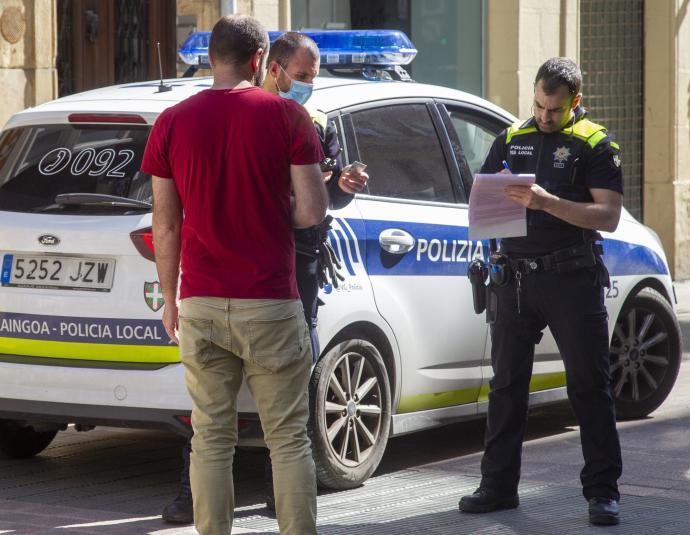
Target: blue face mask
{"points": [[299, 91]]}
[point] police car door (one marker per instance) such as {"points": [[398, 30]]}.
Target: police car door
{"points": [[417, 251]]}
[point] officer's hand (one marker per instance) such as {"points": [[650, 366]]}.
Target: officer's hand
{"points": [[352, 182], [327, 175], [534, 197], [170, 321]]}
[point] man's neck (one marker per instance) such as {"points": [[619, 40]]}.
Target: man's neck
{"points": [[270, 84], [230, 84], [226, 77]]}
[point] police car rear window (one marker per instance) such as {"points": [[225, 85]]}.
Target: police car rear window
{"points": [[38, 163]]}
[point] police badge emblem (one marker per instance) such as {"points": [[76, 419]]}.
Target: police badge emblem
{"points": [[153, 295], [560, 156]]}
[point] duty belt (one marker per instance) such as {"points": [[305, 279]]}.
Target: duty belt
{"points": [[561, 261]]}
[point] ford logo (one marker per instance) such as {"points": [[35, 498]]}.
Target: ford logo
{"points": [[48, 239]]}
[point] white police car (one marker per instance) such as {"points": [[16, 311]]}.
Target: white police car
{"points": [[80, 305]]}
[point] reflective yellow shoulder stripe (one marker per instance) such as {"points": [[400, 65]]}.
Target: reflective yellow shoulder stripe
{"points": [[596, 138], [318, 117], [615, 145], [516, 130], [587, 131]]}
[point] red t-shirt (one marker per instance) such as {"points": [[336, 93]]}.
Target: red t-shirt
{"points": [[229, 153]]}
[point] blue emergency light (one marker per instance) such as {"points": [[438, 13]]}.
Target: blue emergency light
{"points": [[339, 48], [194, 50]]}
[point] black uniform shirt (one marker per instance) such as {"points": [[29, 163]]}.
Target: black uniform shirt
{"points": [[566, 163], [337, 197]]}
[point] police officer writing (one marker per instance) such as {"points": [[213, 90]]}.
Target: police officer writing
{"points": [[554, 276], [293, 64]]}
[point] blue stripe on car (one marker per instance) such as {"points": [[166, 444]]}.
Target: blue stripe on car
{"points": [[444, 250]]}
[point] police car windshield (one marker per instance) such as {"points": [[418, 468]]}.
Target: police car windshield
{"points": [[39, 164]]}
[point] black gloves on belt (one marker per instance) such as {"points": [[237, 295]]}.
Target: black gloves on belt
{"points": [[313, 242]]}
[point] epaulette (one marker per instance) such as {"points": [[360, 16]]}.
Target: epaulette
{"points": [[519, 128], [317, 117], [587, 131]]}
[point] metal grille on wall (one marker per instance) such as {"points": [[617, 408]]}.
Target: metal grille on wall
{"points": [[64, 45], [611, 59], [131, 20]]}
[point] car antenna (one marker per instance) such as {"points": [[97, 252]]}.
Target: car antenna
{"points": [[162, 88]]}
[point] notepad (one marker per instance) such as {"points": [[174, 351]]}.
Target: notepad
{"points": [[492, 213]]}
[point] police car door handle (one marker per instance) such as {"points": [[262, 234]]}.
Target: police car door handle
{"points": [[396, 241]]}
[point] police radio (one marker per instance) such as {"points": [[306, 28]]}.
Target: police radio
{"points": [[477, 273]]}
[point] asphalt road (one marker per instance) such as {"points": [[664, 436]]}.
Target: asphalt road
{"points": [[115, 481]]}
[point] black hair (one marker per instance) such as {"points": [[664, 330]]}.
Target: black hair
{"points": [[556, 72], [287, 44], [236, 38]]}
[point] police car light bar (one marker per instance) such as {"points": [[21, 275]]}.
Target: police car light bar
{"points": [[339, 48], [194, 51], [363, 48]]}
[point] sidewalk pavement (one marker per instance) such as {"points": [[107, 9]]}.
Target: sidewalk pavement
{"points": [[655, 486]]}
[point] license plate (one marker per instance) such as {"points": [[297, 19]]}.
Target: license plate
{"points": [[60, 272]]}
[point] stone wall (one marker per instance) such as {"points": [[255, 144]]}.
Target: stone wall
{"points": [[667, 129], [27, 57], [521, 35]]}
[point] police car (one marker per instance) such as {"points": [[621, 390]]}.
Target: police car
{"points": [[81, 339]]}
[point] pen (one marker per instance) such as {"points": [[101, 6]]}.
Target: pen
{"points": [[505, 166]]}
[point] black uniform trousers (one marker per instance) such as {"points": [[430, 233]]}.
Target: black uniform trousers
{"points": [[308, 286], [572, 306]]}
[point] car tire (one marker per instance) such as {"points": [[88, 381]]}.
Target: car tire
{"points": [[21, 442], [645, 354], [350, 414]]}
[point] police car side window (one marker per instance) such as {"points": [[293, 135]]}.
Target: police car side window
{"points": [[475, 139], [403, 153]]}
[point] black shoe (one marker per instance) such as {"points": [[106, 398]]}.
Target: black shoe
{"points": [[270, 502], [603, 512], [180, 510], [487, 500], [270, 495], [268, 485]]}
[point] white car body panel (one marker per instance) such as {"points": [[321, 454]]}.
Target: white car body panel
{"points": [[440, 349]]}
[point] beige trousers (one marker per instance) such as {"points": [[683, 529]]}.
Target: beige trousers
{"points": [[265, 341]]}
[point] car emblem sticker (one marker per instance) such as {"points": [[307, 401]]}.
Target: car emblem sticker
{"points": [[560, 156], [153, 295], [48, 239]]}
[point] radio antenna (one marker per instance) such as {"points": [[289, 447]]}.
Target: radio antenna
{"points": [[162, 88]]}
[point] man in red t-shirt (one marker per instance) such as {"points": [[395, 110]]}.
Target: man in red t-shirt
{"points": [[235, 153]]}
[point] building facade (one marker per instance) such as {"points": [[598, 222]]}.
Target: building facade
{"points": [[635, 56]]}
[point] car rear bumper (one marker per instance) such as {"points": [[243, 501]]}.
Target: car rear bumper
{"points": [[61, 392]]}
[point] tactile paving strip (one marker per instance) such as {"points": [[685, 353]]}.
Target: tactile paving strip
{"points": [[414, 501]]}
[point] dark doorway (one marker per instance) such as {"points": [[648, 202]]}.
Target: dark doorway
{"points": [[105, 42], [380, 14]]}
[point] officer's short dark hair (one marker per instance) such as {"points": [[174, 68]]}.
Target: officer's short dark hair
{"points": [[236, 38], [287, 44], [556, 72]]}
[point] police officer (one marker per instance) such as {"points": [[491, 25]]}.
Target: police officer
{"points": [[293, 64], [554, 277]]}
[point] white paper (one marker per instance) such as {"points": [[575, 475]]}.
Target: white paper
{"points": [[492, 213]]}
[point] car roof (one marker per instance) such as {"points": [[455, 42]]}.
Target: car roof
{"points": [[144, 98]]}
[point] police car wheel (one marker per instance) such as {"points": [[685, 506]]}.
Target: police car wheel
{"points": [[21, 442], [645, 354], [350, 414]]}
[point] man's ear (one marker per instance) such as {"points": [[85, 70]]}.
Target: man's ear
{"points": [[576, 101], [256, 59], [274, 69]]}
